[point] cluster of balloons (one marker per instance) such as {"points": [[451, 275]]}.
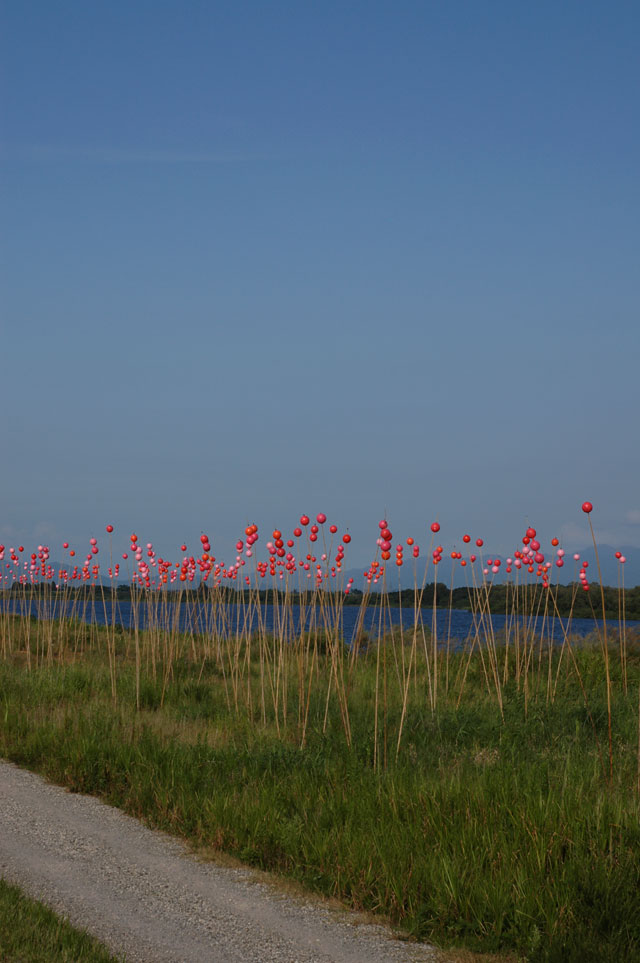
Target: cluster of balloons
{"points": [[285, 556]]}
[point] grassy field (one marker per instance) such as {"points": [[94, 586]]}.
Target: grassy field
{"points": [[31, 933], [485, 799]]}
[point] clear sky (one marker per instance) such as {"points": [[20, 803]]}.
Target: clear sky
{"points": [[365, 258]]}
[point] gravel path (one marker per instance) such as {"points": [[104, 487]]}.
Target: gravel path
{"points": [[146, 896]]}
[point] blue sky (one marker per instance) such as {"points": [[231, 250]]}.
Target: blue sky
{"points": [[368, 259]]}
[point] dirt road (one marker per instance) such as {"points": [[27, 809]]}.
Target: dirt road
{"points": [[146, 896]]}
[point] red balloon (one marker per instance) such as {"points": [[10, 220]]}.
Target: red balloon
{"points": [[333, 529], [479, 542], [435, 527], [304, 519], [466, 538], [346, 538], [587, 507], [109, 528]]}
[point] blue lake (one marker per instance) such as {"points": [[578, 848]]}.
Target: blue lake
{"points": [[230, 619]]}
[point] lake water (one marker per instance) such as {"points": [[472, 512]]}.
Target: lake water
{"points": [[230, 619]]}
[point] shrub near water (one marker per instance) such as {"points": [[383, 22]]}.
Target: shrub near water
{"points": [[495, 827]]}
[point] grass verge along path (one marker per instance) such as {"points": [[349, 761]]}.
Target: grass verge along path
{"points": [[502, 825], [32, 933]]}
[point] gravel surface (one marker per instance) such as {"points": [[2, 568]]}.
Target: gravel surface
{"points": [[145, 895]]}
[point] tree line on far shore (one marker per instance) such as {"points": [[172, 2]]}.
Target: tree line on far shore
{"points": [[559, 599]]}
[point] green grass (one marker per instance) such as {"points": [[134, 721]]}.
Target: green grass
{"points": [[495, 830], [32, 933]]}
